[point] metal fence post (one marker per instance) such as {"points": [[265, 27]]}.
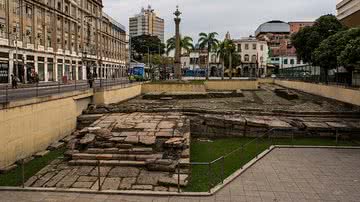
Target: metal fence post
{"points": [[59, 87], [337, 137], [99, 179], [292, 138], [222, 170], [209, 176], [23, 173], [256, 147], [75, 83], [178, 174], [241, 153]]}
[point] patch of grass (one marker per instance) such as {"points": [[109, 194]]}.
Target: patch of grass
{"points": [[13, 178], [202, 179]]}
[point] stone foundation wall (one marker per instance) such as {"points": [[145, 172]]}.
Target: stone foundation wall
{"points": [[172, 87], [350, 96], [226, 85]]}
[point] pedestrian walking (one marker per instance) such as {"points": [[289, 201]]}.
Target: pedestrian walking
{"points": [[14, 81], [90, 79]]}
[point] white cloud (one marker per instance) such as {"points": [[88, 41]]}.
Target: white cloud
{"points": [[240, 17]]}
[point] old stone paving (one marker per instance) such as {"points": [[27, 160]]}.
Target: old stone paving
{"points": [[133, 151], [285, 174]]}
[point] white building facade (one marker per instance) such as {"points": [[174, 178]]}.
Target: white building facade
{"points": [[254, 56]]}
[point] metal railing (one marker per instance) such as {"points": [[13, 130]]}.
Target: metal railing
{"points": [[216, 171], [26, 91]]}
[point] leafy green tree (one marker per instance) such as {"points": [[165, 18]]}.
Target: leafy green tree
{"points": [[309, 38], [145, 43], [351, 55], [186, 43], [209, 42], [326, 55]]}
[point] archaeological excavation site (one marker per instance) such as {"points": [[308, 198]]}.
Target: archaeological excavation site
{"points": [[145, 143]]}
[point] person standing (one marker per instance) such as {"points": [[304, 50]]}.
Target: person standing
{"points": [[14, 81], [90, 80]]}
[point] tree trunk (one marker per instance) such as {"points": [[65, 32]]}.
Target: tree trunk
{"points": [[208, 66], [223, 69], [230, 65]]}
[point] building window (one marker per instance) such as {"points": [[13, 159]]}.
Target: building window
{"points": [[254, 46], [2, 4], [292, 61], [28, 11], [253, 58], [285, 61], [246, 58], [239, 48], [262, 47], [246, 46]]}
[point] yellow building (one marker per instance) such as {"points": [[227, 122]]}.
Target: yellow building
{"points": [[58, 39], [348, 12]]}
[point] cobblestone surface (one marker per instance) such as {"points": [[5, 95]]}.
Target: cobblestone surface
{"points": [[135, 151], [283, 175]]}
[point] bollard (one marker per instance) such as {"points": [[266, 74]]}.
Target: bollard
{"points": [[222, 169], [99, 180], [178, 173], [209, 176], [23, 173]]}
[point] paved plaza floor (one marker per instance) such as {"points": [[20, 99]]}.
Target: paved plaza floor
{"points": [[285, 174]]}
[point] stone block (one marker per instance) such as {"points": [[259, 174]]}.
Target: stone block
{"points": [[83, 185], [147, 140], [86, 179], [164, 134], [111, 183], [42, 153], [132, 139], [124, 172], [150, 178], [56, 145], [8, 168], [127, 182]]}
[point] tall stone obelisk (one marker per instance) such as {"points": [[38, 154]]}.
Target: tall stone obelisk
{"points": [[177, 61]]}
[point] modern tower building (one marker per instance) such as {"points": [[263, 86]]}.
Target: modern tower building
{"points": [[147, 23]]}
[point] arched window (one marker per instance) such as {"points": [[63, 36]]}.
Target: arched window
{"points": [[253, 58], [246, 58]]}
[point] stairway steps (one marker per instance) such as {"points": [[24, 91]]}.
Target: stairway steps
{"points": [[107, 163], [130, 157], [138, 150]]}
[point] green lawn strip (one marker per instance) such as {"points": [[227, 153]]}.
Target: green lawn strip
{"points": [[209, 151], [13, 178]]}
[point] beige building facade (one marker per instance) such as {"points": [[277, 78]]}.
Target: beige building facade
{"points": [[59, 40], [348, 12], [147, 23]]}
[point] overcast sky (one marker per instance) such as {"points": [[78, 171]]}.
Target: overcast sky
{"points": [[240, 17]]}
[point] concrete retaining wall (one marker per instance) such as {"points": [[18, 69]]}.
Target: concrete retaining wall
{"points": [[333, 92], [29, 128], [172, 87], [231, 85], [117, 94]]}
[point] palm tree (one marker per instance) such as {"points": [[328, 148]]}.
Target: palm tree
{"points": [[186, 43], [226, 49], [209, 42]]}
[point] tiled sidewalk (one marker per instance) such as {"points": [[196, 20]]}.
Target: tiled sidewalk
{"points": [[285, 174]]}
